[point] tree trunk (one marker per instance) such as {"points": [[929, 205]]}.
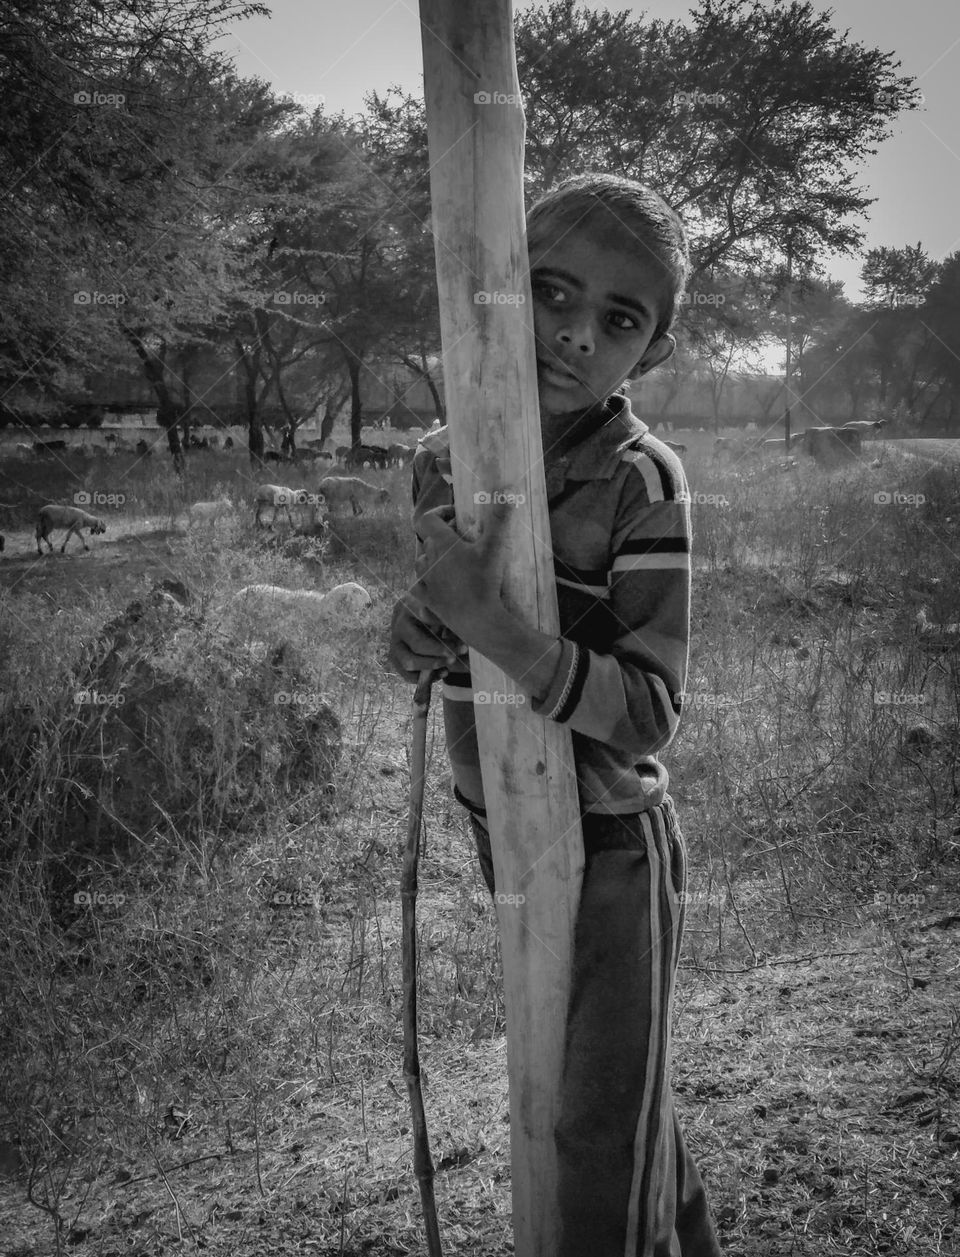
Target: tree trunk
{"points": [[356, 409], [168, 411], [490, 382], [249, 370]]}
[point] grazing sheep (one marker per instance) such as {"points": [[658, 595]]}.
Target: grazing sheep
{"points": [[69, 517], [862, 425], [676, 447], [930, 633], [280, 498], [375, 455], [342, 599], [399, 455], [338, 490], [830, 446], [208, 512]]}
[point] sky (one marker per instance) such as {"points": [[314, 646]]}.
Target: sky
{"points": [[333, 52]]}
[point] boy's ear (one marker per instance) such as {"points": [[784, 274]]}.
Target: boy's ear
{"points": [[658, 351]]}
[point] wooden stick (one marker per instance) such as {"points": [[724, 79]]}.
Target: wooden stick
{"points": [[422, 1163], [475, 130]]}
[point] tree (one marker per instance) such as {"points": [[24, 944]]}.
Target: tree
{"points": [[98, 98], [751, 116], [940, 317]]}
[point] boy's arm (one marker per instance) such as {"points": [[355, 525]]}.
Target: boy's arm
{"points": [[627, 696]]}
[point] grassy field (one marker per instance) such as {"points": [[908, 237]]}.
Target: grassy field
{"points": [[210, 1066]]}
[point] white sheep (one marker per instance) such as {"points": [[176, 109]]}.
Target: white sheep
{"points": [[347, 598], [280, 498], [208, 512], [69, 517], [338, 490]]}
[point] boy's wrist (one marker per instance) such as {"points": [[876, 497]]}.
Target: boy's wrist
{"points": [[527, 656]]}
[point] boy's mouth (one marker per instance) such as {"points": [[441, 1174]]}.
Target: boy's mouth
{"points": [[557, 375]]}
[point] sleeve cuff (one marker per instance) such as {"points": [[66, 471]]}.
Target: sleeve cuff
{"points": [[567, 685]]}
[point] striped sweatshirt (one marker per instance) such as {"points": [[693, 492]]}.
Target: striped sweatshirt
{"points": [[620, 532]]}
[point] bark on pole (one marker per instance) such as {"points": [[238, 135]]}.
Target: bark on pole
{"points": [[476, 130]]}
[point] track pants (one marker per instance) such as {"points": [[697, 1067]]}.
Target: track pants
{"points": [[628, 1186]]}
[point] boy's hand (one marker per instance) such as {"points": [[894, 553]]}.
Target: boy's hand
{"points": [[460, 581], [418, 641]]}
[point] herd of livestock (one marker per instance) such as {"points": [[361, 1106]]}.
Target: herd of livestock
{"points": [[335, 493]]}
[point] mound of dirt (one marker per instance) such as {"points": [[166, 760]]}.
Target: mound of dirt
{"points": [[172, 728]]}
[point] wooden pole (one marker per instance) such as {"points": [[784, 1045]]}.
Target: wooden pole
{"points": [[476, 129]]}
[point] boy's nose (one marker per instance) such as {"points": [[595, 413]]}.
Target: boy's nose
{"points": [[581, 337]]}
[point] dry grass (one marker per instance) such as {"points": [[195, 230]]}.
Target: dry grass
{"points": [[215, 1064]]}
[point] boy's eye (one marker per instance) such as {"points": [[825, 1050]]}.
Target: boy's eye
{"points": [[629, 323], [549, 292]]}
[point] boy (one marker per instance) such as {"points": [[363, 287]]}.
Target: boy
{"points": [[608, 264]]}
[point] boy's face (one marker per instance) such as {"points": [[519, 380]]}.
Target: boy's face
{"points": [[596, 305]]}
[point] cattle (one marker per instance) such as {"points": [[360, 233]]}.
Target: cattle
{"points": [[48, 447]]}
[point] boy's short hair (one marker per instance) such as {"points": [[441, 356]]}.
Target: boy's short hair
{"points": [[643, 214]]}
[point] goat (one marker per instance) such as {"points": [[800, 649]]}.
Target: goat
{"points": [[341, 453], [350, 597], [69, 517], [341, 489], [280, 498]]}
